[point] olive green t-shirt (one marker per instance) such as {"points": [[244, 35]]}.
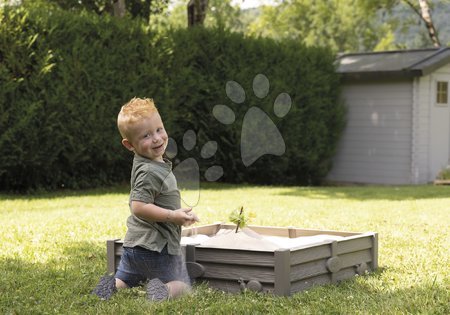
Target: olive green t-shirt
{"points": [[153, 182]]}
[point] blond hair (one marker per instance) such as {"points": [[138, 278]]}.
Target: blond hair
{"points": [[133, 111]]}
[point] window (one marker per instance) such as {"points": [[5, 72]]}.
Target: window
{"points": [[442, 92]]}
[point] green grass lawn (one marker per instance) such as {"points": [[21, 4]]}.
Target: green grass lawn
{"points": [[52, 250]]}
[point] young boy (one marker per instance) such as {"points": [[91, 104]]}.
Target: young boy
{"points": [[151, 246]]}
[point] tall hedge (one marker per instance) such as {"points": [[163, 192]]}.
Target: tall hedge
{"points": [[64, 76], [205, 60]]}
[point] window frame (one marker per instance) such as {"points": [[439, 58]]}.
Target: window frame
{"points": [[439, 91]]}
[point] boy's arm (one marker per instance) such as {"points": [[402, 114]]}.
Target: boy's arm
{"points": [[153, 213]]}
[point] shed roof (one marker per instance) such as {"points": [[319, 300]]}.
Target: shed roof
{"points": [[393, 64]]}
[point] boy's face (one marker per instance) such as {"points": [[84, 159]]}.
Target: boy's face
{"points": [[148, 138]]}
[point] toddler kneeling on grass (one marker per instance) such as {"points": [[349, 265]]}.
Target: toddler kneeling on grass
{"points": [[151, 247]]}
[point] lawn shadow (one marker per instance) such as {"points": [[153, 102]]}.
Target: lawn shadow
{"points": [[370, 192], [364, 192], [56, 284], [62, 193], [102, 191]]}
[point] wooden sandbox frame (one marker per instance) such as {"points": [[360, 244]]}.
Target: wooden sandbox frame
{"points": [[281, 271]]}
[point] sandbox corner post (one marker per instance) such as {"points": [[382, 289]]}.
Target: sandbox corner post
{"points": [[282, 272], [292, 232], [374, 263], [111, 256], [190, 252]]}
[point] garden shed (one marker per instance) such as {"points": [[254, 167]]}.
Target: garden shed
{"points": [[398, 117]]}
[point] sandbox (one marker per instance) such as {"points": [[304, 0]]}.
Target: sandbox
{"points": [[271, 259]]}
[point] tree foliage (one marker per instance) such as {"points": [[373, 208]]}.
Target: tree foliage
{"points": [[135, 8], [347, 25], [342, 25]]}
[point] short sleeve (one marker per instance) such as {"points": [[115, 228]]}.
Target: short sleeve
{"points": [[145, 189]]}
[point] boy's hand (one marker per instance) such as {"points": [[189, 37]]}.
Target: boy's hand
{"points": [[194, 219], [184, 217]]}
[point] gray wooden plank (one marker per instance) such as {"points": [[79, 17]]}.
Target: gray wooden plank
{"points": [[210, 229], [308, 269], [311, 232], [225, 271], [354, 244], [352, 259], [304, 284], [240, 257], [310, 254]]}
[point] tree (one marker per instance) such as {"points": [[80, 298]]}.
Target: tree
{"points": [[425, 15], [420, 8], [343, 25], [219, 13], [346, 25], [196, 12], [119, 8]]}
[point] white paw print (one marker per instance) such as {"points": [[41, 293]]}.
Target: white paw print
{"points": [[187, 172], [259, 134]]}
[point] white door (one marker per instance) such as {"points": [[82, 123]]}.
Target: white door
{"points": [[439, 123]]}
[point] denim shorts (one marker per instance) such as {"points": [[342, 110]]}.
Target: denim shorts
{"points": [[138, 264]]}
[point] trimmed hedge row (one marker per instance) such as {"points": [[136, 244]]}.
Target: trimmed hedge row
{"points": [[64, 76]]}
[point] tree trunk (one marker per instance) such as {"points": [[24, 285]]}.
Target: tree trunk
{"points": [[196, 12], [426, 17], [119, 8], [424, 14]]}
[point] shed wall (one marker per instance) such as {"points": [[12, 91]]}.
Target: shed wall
{"points": [[376, 144], [438, 134], [420, 132]]}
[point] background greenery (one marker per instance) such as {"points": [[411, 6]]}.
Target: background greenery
{"points": [[343, 25], [67, 66], [53, 250], [64, 76]]}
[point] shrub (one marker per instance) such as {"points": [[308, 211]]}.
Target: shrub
{"points": [[444, 174], [64, 76], [202, 63]]}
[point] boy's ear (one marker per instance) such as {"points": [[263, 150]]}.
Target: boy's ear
{"points": [[127, 144]]}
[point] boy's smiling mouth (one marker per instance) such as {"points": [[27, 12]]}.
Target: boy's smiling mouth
{"points": [[159, 147]]}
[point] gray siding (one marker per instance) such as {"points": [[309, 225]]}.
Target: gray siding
{"points": [[376, 144], [421, 130]]}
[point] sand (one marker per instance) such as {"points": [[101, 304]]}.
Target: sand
{"points": [[246, 239]]}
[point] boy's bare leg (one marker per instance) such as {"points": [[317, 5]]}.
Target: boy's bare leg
{"points": [[177, 288], [120, 284]]}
